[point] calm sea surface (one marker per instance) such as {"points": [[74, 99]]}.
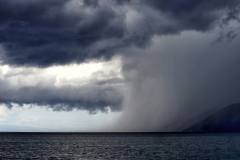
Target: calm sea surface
{"points": [[119, 146]]}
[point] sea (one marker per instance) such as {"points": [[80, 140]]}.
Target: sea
{"points": [[119, 146]]}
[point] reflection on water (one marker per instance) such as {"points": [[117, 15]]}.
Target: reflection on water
{"points": [[118, 146]]}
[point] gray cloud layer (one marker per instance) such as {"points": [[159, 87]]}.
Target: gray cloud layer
{"points": [[95, 96], [44, 33], [90, 98]]}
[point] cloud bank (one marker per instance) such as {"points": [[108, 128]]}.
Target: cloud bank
{"points": [[92, 86], [44, 33]]}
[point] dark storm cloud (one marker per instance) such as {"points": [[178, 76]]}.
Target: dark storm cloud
{"points": [[94, 97], [121, 2], [55, 32], [45, 33], [194, 14], [93, 3]]}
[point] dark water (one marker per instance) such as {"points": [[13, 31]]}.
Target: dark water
{"points": [[119, 146]]}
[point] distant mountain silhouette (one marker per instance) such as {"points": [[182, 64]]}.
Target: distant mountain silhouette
{"points": [[183, 122], [224, 120]]}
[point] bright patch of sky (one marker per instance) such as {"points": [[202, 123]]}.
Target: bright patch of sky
{"points": [[37, 119], [62, 75]]}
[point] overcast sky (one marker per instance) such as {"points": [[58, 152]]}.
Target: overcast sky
{"points": [[116, 65]]}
